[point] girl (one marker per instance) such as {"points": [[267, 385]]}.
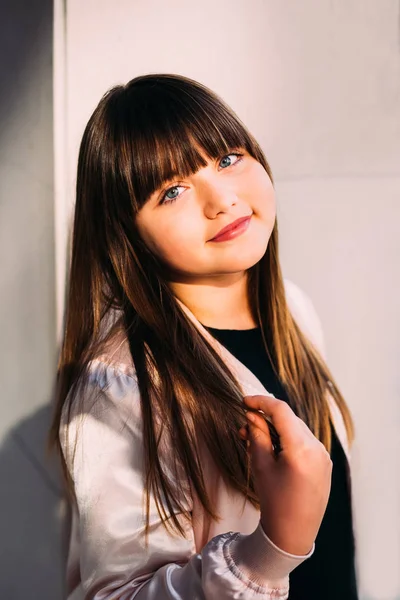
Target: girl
{"points": [[204, 441]]}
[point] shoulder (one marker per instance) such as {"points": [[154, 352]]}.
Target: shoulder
{"points": [[115, 353], [305, 314], [104, 402]]}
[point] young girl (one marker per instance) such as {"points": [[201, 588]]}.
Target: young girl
{"points": [[204, 441]]}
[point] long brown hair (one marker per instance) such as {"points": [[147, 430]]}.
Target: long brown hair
{"points": [[140, 135]]}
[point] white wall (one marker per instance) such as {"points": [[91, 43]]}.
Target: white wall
{"points": [[318, 84]]}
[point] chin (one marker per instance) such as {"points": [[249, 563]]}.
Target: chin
{"points": [[245, 259]]}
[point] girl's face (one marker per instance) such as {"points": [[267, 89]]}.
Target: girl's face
{"points": [[179, 221]]}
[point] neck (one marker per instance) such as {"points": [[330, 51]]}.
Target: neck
{"points": [[221, 302]]}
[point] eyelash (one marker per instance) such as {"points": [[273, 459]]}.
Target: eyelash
{"points": [[172, 200]]}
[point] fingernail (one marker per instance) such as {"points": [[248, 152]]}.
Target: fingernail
{"points": [[250, 417]]}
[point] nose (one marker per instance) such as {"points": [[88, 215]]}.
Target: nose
{"points": [[217, 197]]}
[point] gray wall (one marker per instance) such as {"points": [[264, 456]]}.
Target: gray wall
{"points": [[30, 557]]}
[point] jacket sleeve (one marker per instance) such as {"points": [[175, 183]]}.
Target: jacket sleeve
{"points": [[105, 438]]}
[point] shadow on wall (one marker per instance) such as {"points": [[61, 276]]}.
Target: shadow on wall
{"points": [[26, 37], [33, 549], [31, 520]]}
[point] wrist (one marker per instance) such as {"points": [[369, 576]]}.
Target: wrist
{"points": [[288, 543]]}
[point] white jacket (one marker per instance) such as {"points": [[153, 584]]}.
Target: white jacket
{"points": [[231, 559]]}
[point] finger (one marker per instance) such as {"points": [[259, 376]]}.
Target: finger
{"points": [[243, 433], [259, 436], [286, 423]]}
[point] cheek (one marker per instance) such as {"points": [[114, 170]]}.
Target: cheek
{"points": [[177, 243], [266, 202], [269, 208], [264, 207], [174, 245], [260, 193]]}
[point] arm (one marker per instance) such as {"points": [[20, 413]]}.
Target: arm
{"points": [[108, 476]]}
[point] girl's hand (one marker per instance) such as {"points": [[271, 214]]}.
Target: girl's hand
{"points": [[293, 485]]}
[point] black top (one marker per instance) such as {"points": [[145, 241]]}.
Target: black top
{"points": [[329, 574]]}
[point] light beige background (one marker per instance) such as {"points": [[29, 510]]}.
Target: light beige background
{"points": [[318, 83]]}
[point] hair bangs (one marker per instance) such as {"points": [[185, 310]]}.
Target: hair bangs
{"points": [[172, 130]]}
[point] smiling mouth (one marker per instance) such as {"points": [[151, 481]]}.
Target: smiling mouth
{"points": [[233, 230]]}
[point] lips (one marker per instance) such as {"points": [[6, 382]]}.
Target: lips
{"points": [[231, 227]]}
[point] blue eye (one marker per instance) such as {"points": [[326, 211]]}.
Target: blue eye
{"points": [[232, 154], [166, 199]]}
